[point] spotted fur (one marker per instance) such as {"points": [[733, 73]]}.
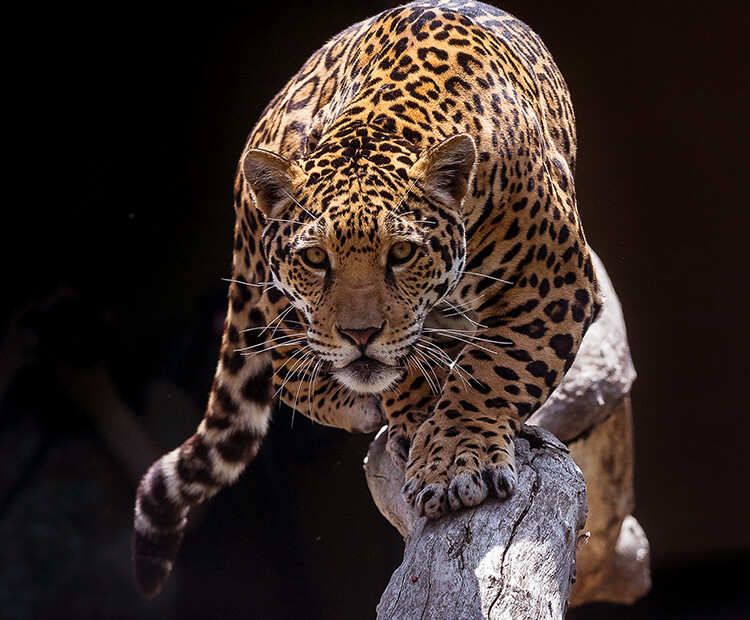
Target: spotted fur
{"points": [[407, 250]]}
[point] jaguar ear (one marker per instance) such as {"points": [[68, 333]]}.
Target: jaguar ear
{"points": [[446, 169], [270, 177]]}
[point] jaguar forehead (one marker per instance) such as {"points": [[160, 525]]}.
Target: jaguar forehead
{"points": [[358, 217]]}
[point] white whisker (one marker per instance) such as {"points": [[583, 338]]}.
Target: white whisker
{"points": [[315, 217], [392, 212], [281, 318], [430, 381], [418, 366], [264, 327], [276, 346], [278, 339], [452, 365], [463, 314], [299, 372], [280, 219], [479, 346], [466, 305], [297, 364], [311, 387], [438, 357], [483, 275], [445, 359], [446, 330], [304, 351], [436, 380], [254, 284], [299, 387], [432, 357], [454, 333]]}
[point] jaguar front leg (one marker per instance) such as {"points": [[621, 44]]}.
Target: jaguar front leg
{"points": [[408, 406], [464, 451], [458, 457]]}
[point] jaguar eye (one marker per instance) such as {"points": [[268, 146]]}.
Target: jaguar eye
{"points": [[315, 257], [401, 252]]}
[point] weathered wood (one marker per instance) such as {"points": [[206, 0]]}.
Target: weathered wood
{"points": [[591, 411], [613, 565], [500, 559]]}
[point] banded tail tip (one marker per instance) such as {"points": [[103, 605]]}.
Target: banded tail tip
{"points": [[153, 560], [151, 576]]}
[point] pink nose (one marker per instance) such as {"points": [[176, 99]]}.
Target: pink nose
{"points": [[360, 337]]}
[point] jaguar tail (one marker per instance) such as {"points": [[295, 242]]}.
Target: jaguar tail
{"points": [[227, 439]]}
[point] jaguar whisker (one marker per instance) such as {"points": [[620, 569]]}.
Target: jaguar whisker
{"points": [[484, 275]]}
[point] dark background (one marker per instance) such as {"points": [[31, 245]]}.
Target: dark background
{"points": [[126, 126]]}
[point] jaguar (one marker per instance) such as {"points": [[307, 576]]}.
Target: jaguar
{"points": [[407, 252]]}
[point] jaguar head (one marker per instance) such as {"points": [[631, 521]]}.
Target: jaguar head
{"points": [[364, 240]]}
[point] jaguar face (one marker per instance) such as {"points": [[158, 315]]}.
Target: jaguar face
{"points": [[364, 253]]}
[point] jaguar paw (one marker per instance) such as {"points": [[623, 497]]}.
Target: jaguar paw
{"points": [[450, 476]]}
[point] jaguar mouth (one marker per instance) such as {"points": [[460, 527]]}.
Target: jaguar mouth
{"points": [[368, 375], [365, 365]]}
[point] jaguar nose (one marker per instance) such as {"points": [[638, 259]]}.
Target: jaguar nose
{"points": [[360, 336]]}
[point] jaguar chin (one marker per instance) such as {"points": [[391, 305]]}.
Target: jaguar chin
{"points": [[366, 375]]}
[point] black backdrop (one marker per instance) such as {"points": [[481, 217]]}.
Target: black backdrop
{"points": [[126, 126]]}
